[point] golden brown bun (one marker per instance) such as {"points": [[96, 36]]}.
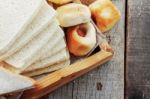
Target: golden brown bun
{"points": [[105, 14], [60, 1], [73, 14], [81, 39], [87, 2]]}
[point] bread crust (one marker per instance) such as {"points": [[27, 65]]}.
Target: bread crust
{"points": [[105, 14], [81, 44], [48, 69], [73, 14]]}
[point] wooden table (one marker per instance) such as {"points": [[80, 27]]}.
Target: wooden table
{"points": [[130, 66], [138, 49]]}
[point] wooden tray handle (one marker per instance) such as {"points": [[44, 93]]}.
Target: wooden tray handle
{"points": [[58, 78]]}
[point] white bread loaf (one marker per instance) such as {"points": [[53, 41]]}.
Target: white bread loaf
{"points": [[10, 82], [58, 47], [73, 14], [58, 36], [23, 58], [42, 19], [57, 58], [15, 15], [48, 69]]}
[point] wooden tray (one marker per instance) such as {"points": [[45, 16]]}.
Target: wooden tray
{"points": [[58, 78]]}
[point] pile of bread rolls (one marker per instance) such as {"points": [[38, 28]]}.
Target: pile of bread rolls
{"points": [[76, 19]]}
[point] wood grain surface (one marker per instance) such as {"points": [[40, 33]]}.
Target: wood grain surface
{"points": [[104, 83], [138, 49], [60, 77]]}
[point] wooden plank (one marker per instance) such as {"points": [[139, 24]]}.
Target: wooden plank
{"points": [[58, 78], [138, 49], [110, 78]]}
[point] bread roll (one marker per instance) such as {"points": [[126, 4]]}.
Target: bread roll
{"points": [[81, 39], [105, 14], [73, 14], [86, 2], [60, 1]]}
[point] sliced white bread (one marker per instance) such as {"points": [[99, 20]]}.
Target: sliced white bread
{"points": [[10, 82], [43, 18], [58, 47], [48, 69], [15, 15], [57, 58], [23, 58], [57, 37]]}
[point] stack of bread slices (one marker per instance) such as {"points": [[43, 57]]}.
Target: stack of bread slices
{"points": [[31, 40]]}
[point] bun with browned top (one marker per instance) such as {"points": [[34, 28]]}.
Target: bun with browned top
{"points": [[105, 14], [60, 1], [81, 39], [73, 14]]}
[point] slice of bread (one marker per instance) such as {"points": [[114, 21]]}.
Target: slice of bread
{"points": [[48, 69], [57, 58], [15, 15], [23, 58], [10, 82], [58, 47], [43, 18], [57, 37]]}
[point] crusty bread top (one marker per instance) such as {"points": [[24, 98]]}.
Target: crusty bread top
{"points": [[105, 14], [73, 14], [10, 82], [15, 15]]}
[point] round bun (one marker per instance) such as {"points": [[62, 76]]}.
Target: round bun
{"points": [[73, 14], [60, 2], [81, 39], [105, 14]]}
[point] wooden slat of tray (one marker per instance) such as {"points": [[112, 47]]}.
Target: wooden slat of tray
{"points": [[54, 80], [138, 49]]}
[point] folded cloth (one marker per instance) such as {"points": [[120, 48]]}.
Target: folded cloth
{"points": [[10, 82]]}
